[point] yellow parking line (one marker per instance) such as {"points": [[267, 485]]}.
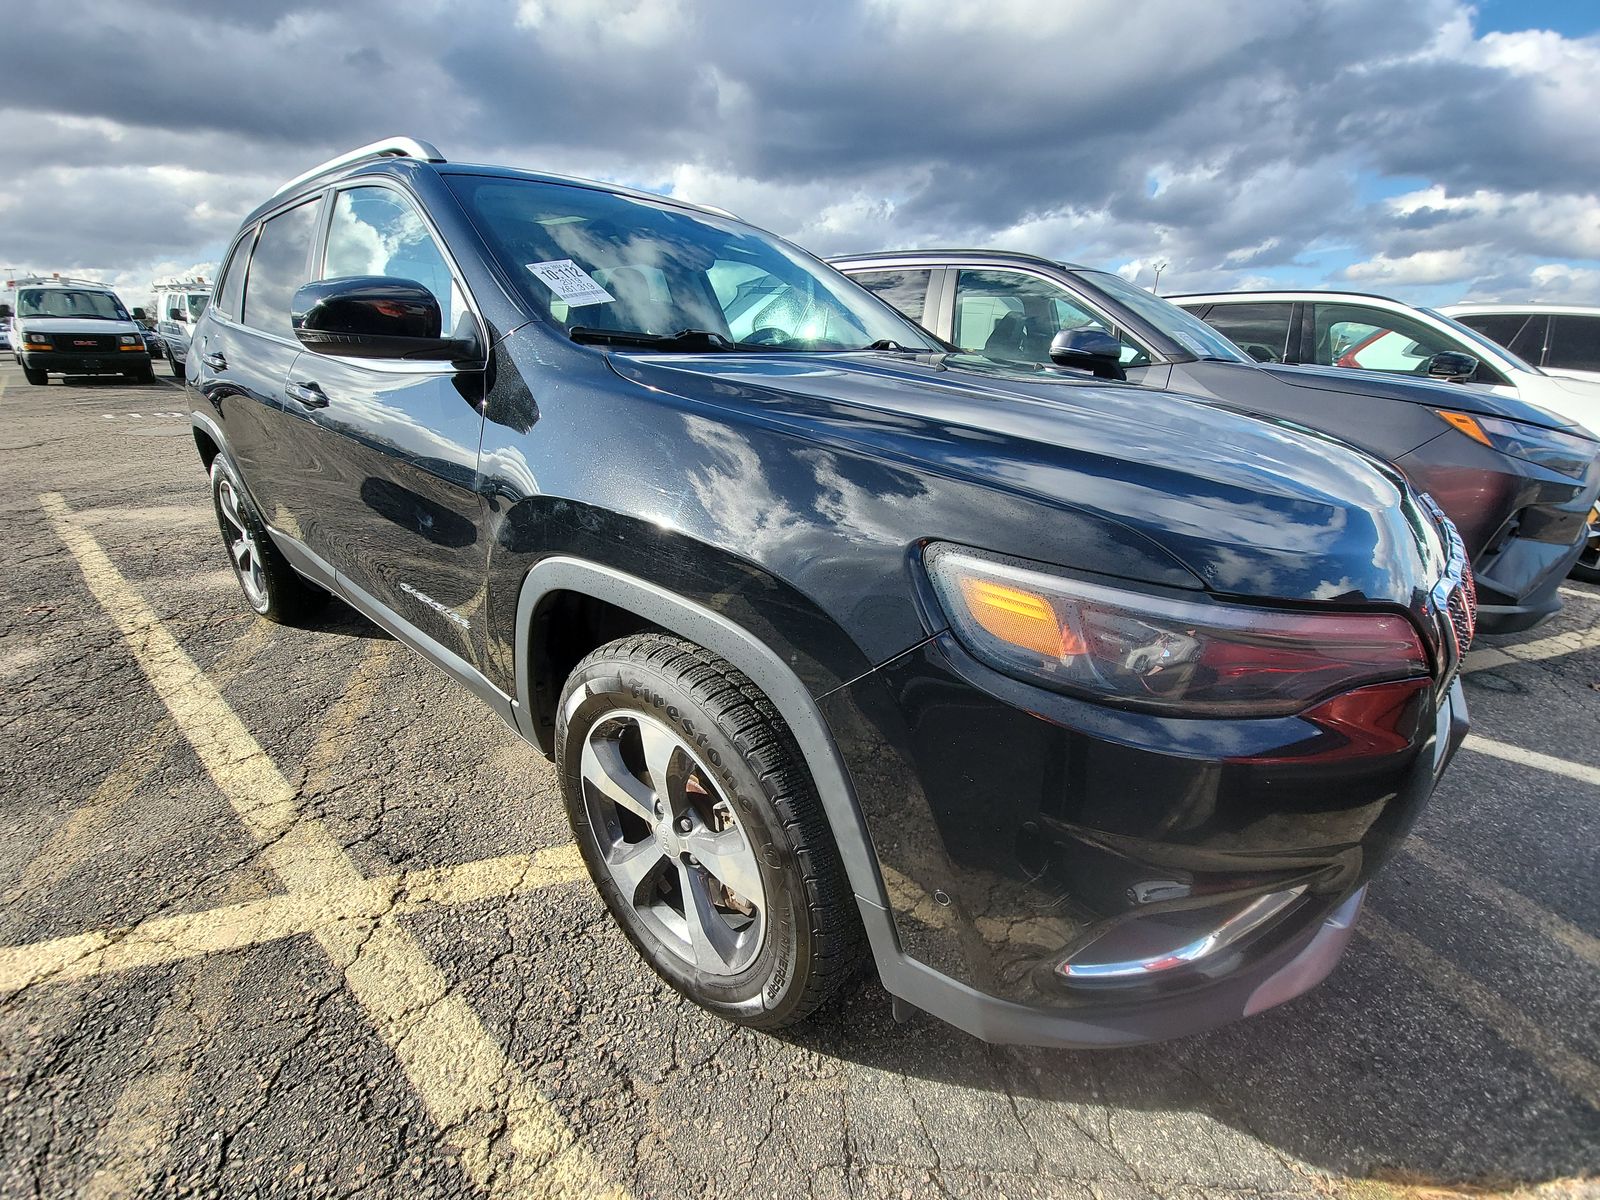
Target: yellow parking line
{"points": [[1575, 1072], [1579, 772], [483, 1105], [1555, 928], [1486, 658], [272, 918]]}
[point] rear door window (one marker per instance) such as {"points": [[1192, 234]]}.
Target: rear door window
{"points": [[1574, 342], [1497, 327], [278, 267], [1260, 330], [906, 290]]}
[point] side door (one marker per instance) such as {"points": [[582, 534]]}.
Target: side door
{"points": [[385, 487], [1012, 316], [1368, 338], [245, 351]]}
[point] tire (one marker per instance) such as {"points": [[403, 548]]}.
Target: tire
{"points": [[177, 368], [735, 774], [270, 585], [145, 373], [37, 376], [1587, 568]]}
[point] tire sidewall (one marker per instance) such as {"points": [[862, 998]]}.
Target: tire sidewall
{"points": [[774, 982]]}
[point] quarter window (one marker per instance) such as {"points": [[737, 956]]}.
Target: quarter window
{"points": [[230, 286], [377, 231], [278, 268], [905, 290], [1260, 330], [1574, 342], [1497, 327]]}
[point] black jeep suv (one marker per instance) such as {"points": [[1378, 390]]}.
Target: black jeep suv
{"points": [[1089, 709]]}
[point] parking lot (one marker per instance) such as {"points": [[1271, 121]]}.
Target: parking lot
{"points": [[287, 913]]}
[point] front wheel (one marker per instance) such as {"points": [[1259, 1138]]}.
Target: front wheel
{"points": [[270, 585], [703, 832], [177, 367], [1587, 568], [37, 376]]}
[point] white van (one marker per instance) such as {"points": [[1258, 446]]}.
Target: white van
{"points": [[75, 327], [178, 306]]}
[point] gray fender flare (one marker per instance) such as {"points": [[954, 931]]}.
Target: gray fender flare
{"points": [[766, 670]]}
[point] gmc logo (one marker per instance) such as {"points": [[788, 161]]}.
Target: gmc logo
{"points": [[84, 342]]}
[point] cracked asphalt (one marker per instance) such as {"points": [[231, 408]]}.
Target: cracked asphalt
{"points": [[287, 914]]}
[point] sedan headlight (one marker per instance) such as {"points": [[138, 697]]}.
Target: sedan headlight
{"points": [[1563, 453], [1162, 653]]}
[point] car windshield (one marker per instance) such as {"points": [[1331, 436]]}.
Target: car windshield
{"points": [[611, 267], [69, 302], [1477, 342], [1188, 330]]}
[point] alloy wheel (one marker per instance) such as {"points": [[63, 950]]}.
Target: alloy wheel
{"points": [[242, 545], [672, 843]]}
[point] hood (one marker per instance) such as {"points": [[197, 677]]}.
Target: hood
{"points": [[1467, 398], [1575, 400], [74, 325], [1251, 507]]}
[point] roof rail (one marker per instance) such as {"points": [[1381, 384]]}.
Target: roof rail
{"points": [[63, 280], [394, 147]]}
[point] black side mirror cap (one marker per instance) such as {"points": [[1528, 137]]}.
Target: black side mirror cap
{"points": [[1452, 365], [1088, 350], [374, 316]]}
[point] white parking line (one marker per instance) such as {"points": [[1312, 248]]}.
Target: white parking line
{"points": [[1530, 912], [1486, 658], [1575, 1072], [1573, 593], [1532, 758], [510, 1138]]}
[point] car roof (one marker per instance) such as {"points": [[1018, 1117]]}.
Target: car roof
{"points": [[964, 254], [1531, 307], [1285, 294], [403, 167]]}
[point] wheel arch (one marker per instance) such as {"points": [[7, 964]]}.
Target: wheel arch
{"points": [[655, 607]]}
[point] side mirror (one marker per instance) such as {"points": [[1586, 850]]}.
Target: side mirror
{"points": [[1089, 350], [175, 314], [373, 316], [1452, 365], [138, 314]]}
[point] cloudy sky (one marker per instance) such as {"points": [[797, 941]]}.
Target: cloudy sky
{"points": [[1430, 149]]}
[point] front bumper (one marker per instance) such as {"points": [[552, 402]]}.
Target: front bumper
{"points": [[1017, 828], [1524, 526], [106, 362]]}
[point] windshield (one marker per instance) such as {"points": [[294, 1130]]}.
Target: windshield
{"points": [[69, 302], [1477, 341], [1188, 330], [595, 261]]}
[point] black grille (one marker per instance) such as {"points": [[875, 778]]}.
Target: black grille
{"points": [[84, 343], [1463, 608]]}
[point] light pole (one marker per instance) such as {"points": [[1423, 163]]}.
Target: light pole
{"points": [[1160, 267]]}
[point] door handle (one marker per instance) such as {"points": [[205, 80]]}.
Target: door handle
{"points": [[215, 361], [308, 394]]}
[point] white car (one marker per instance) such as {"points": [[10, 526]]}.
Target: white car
{"points": [[1564, 339], [1349, 329]]}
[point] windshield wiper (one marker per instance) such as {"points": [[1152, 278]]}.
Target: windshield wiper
{"points": [[684, 339], [891, 344]]}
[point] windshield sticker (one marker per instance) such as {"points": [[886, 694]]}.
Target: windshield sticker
{"points": [[571, 283]]}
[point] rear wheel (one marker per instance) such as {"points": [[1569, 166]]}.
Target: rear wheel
{"points": [[270, 585], [1587, 568], [702, 830], [37, 376]]}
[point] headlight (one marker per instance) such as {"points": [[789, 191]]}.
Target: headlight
{"points": [[130, 339], [1133, 649], [1562, 453], [36, 339]]}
